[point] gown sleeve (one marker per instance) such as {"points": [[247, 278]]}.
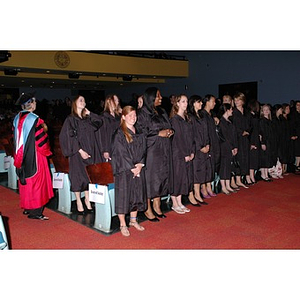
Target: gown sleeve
{"points": [[42, 139], [121, 160], [68, 138]]}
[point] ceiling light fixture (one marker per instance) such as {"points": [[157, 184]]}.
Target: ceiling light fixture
{"points": [[4, 56], [12, 72], [74, 75]]}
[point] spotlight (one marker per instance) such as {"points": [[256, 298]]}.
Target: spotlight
{"points": [[10, 72], [4, 55]]}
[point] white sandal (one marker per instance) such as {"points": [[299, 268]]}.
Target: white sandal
{"points": [[178, 210], [185, 209]]}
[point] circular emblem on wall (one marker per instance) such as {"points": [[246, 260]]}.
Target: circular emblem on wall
{"points": [[62, 59]]}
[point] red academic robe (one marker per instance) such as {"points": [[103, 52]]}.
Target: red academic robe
{"points": [[31, 151]]}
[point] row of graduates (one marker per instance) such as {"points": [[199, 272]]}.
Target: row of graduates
{"points": [[145, 155], [272, 132], [154, 154]]}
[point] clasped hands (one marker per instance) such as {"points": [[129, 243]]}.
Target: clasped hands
{"points": [[166, 133], [137, 170]]}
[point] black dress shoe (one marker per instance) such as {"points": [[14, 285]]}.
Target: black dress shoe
{"points": [[236, 188], [226, 193], [40, 217], [80, 212], [267, 179], [233, 191], [197, 204], [152, 220], [162, 216], [89, 210], [201, 202]]}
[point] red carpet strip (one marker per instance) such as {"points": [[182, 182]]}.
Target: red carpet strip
{"points": [[265, 216]]}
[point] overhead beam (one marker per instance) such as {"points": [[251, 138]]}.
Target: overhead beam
{"points": [[65, 77], [72, 61]]}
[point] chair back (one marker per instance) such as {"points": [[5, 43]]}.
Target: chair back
{"points": [[100, 173]]}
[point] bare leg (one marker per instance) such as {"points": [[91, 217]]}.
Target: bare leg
{"points": [[233, 184], [197, 191], [223, 185], [177, 204], [239, 182], [284, 168], [133, 221], [78, 202], [149, 213], [264, 173], [204, 189], [123, 226], [122, 219], [87, 200], [174, 202], [252, 175], [228, 187], [156, 205], [208, 188], [248, 179], [192, 198]]}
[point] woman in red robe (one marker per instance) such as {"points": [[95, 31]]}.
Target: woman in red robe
{"points": [[30, 159]]}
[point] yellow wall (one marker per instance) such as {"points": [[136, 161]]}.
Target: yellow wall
{"points": [[98, 63]]}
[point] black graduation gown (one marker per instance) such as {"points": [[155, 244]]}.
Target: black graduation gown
{"points": [[202, 165], [130, 193], [254, 140], [295, 116], [277, 132], [266, 133], [227, 144], [214, 142], [242, 123], [104, 135], [287, 156], [283, 142], [182, 146], [159, 172], [78, 134]]}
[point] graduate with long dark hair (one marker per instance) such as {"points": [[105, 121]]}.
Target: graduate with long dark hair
{"points": [[202, 166], [79, 143], [228, 144], [128, 159], [209, 102], [154, 122], [254, 110], [183, 152], [296, 133], [111, 121], [266, 136], [288, 156], [241, 121]]}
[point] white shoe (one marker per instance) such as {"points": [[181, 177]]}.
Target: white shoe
{"points": [[185, 209], [178, 210]]}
